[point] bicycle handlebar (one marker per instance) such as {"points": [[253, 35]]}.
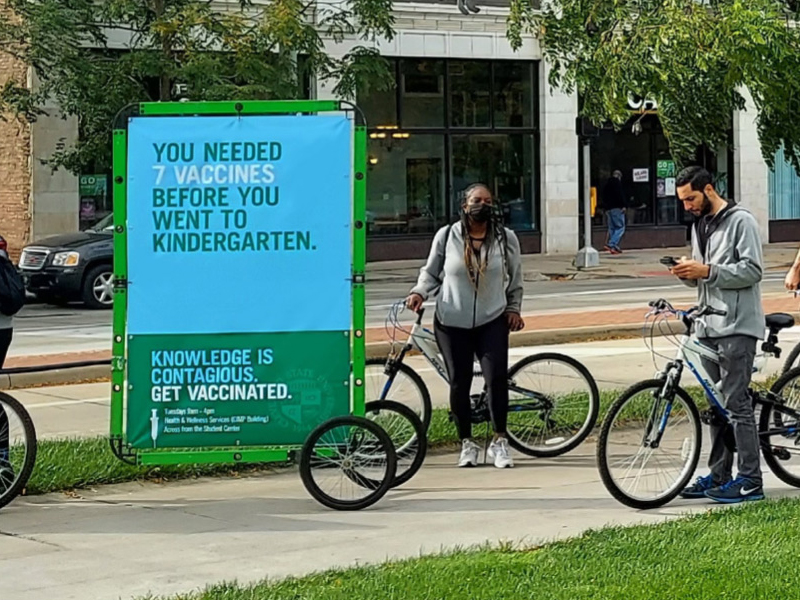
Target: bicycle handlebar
{"points": [[663, 306]]}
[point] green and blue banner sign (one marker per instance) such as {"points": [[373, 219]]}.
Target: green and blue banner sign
{"points": [[239, 255]]}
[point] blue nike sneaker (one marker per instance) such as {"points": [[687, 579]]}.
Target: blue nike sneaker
{"points": [[738, 490], [699, 488]]}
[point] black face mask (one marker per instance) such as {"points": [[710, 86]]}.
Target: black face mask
{"points": [[480, 213]]}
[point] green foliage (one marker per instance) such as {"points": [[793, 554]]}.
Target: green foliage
{"points": [[694, 58], [94, 57]]}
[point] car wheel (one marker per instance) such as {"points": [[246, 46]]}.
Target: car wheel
{"points": [[98, 287]]}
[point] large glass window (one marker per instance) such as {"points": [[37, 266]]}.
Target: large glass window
{"points": [[470, 93], [630, 154], [405, 183], [450, 123], [422, 87], [504, 163], [668, 208], [380, 106], [784, 189], [513, 97]]}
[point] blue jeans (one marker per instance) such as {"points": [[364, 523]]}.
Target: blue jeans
{"points": [[616, 227]]}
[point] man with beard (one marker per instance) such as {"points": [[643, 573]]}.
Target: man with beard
{"points": [[726, 268]]}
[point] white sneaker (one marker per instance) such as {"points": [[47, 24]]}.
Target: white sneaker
{"points": [[498, 450], [469, 454]]}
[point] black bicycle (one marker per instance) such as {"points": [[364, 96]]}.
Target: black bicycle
{"points": [[553, 404], [17, 448]]}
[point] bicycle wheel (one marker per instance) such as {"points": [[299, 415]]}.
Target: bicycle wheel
{"points": [[17, 448], [792, 360], [553, 404], [407, 435], [639, 467], [348, 463], [405, 387], [779, 429]]}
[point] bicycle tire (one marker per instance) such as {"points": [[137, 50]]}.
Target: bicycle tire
{"points": [[773, 462], [791, 360], [376, 493], [409, 457], [602, 456], [11, 405], [592, 415], [425, 396]]}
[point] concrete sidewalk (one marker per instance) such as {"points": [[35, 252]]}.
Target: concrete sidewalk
{"points": [[129, 540]]}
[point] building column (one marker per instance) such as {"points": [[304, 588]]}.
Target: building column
{"points": [[559, 167], [751, 173]]}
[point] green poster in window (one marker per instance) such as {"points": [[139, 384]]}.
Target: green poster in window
{"points": [[665, 168], [93, 185]]}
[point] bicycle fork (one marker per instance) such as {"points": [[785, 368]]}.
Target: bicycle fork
{"points": [[661, 409]]}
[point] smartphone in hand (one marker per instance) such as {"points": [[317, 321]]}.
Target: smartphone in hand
{"points": [[668, 261]]}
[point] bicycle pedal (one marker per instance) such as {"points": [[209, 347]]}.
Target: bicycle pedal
{"points": [[712, 417], [781, 453]]}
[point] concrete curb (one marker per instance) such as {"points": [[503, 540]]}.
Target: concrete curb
{"points": [[56, 377]]}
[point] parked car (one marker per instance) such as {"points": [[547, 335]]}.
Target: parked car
{"points": [[72, 267]]}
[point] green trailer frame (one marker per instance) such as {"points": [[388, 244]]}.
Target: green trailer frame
{"points": [[238, 454]]}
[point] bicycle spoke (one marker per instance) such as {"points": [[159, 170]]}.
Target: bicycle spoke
{"points": [[643, 465]]}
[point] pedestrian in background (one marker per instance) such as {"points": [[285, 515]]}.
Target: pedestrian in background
{"points": [[475, 267], [614, 207]]}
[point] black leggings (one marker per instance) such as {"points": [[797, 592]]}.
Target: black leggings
{"points": [[5, 342], [459, 347]]}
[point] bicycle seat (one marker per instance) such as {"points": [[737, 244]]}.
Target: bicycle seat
{"points": [[778, 321]]}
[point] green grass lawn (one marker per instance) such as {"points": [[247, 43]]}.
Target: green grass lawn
{"points": [[83, 463], [748, 553]]}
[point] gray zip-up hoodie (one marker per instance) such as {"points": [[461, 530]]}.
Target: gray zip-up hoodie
{"points": [[459, 304], [6, 322], [733, 253]]}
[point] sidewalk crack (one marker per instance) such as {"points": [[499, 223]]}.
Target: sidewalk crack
{"points": [[28, 538]]}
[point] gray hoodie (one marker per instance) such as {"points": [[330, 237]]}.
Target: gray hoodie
{"points": [[459, 304], [733, 252], [6, 322]]}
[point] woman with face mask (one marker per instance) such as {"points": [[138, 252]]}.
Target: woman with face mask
{"points": [[475, 267]]}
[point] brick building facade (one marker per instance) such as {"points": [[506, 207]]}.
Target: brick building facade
{"points": [[15, 167]]}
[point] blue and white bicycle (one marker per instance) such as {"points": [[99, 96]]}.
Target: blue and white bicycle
{"points": [[650, 439]]}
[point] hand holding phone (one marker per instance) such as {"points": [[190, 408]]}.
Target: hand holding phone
{"points": [[669, 261]]}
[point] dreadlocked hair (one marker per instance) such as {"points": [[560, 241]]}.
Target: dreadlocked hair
{"points": [[495, 231]]}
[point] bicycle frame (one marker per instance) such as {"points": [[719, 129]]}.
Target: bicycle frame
{"points": [[690, 352], [424, 340]]}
